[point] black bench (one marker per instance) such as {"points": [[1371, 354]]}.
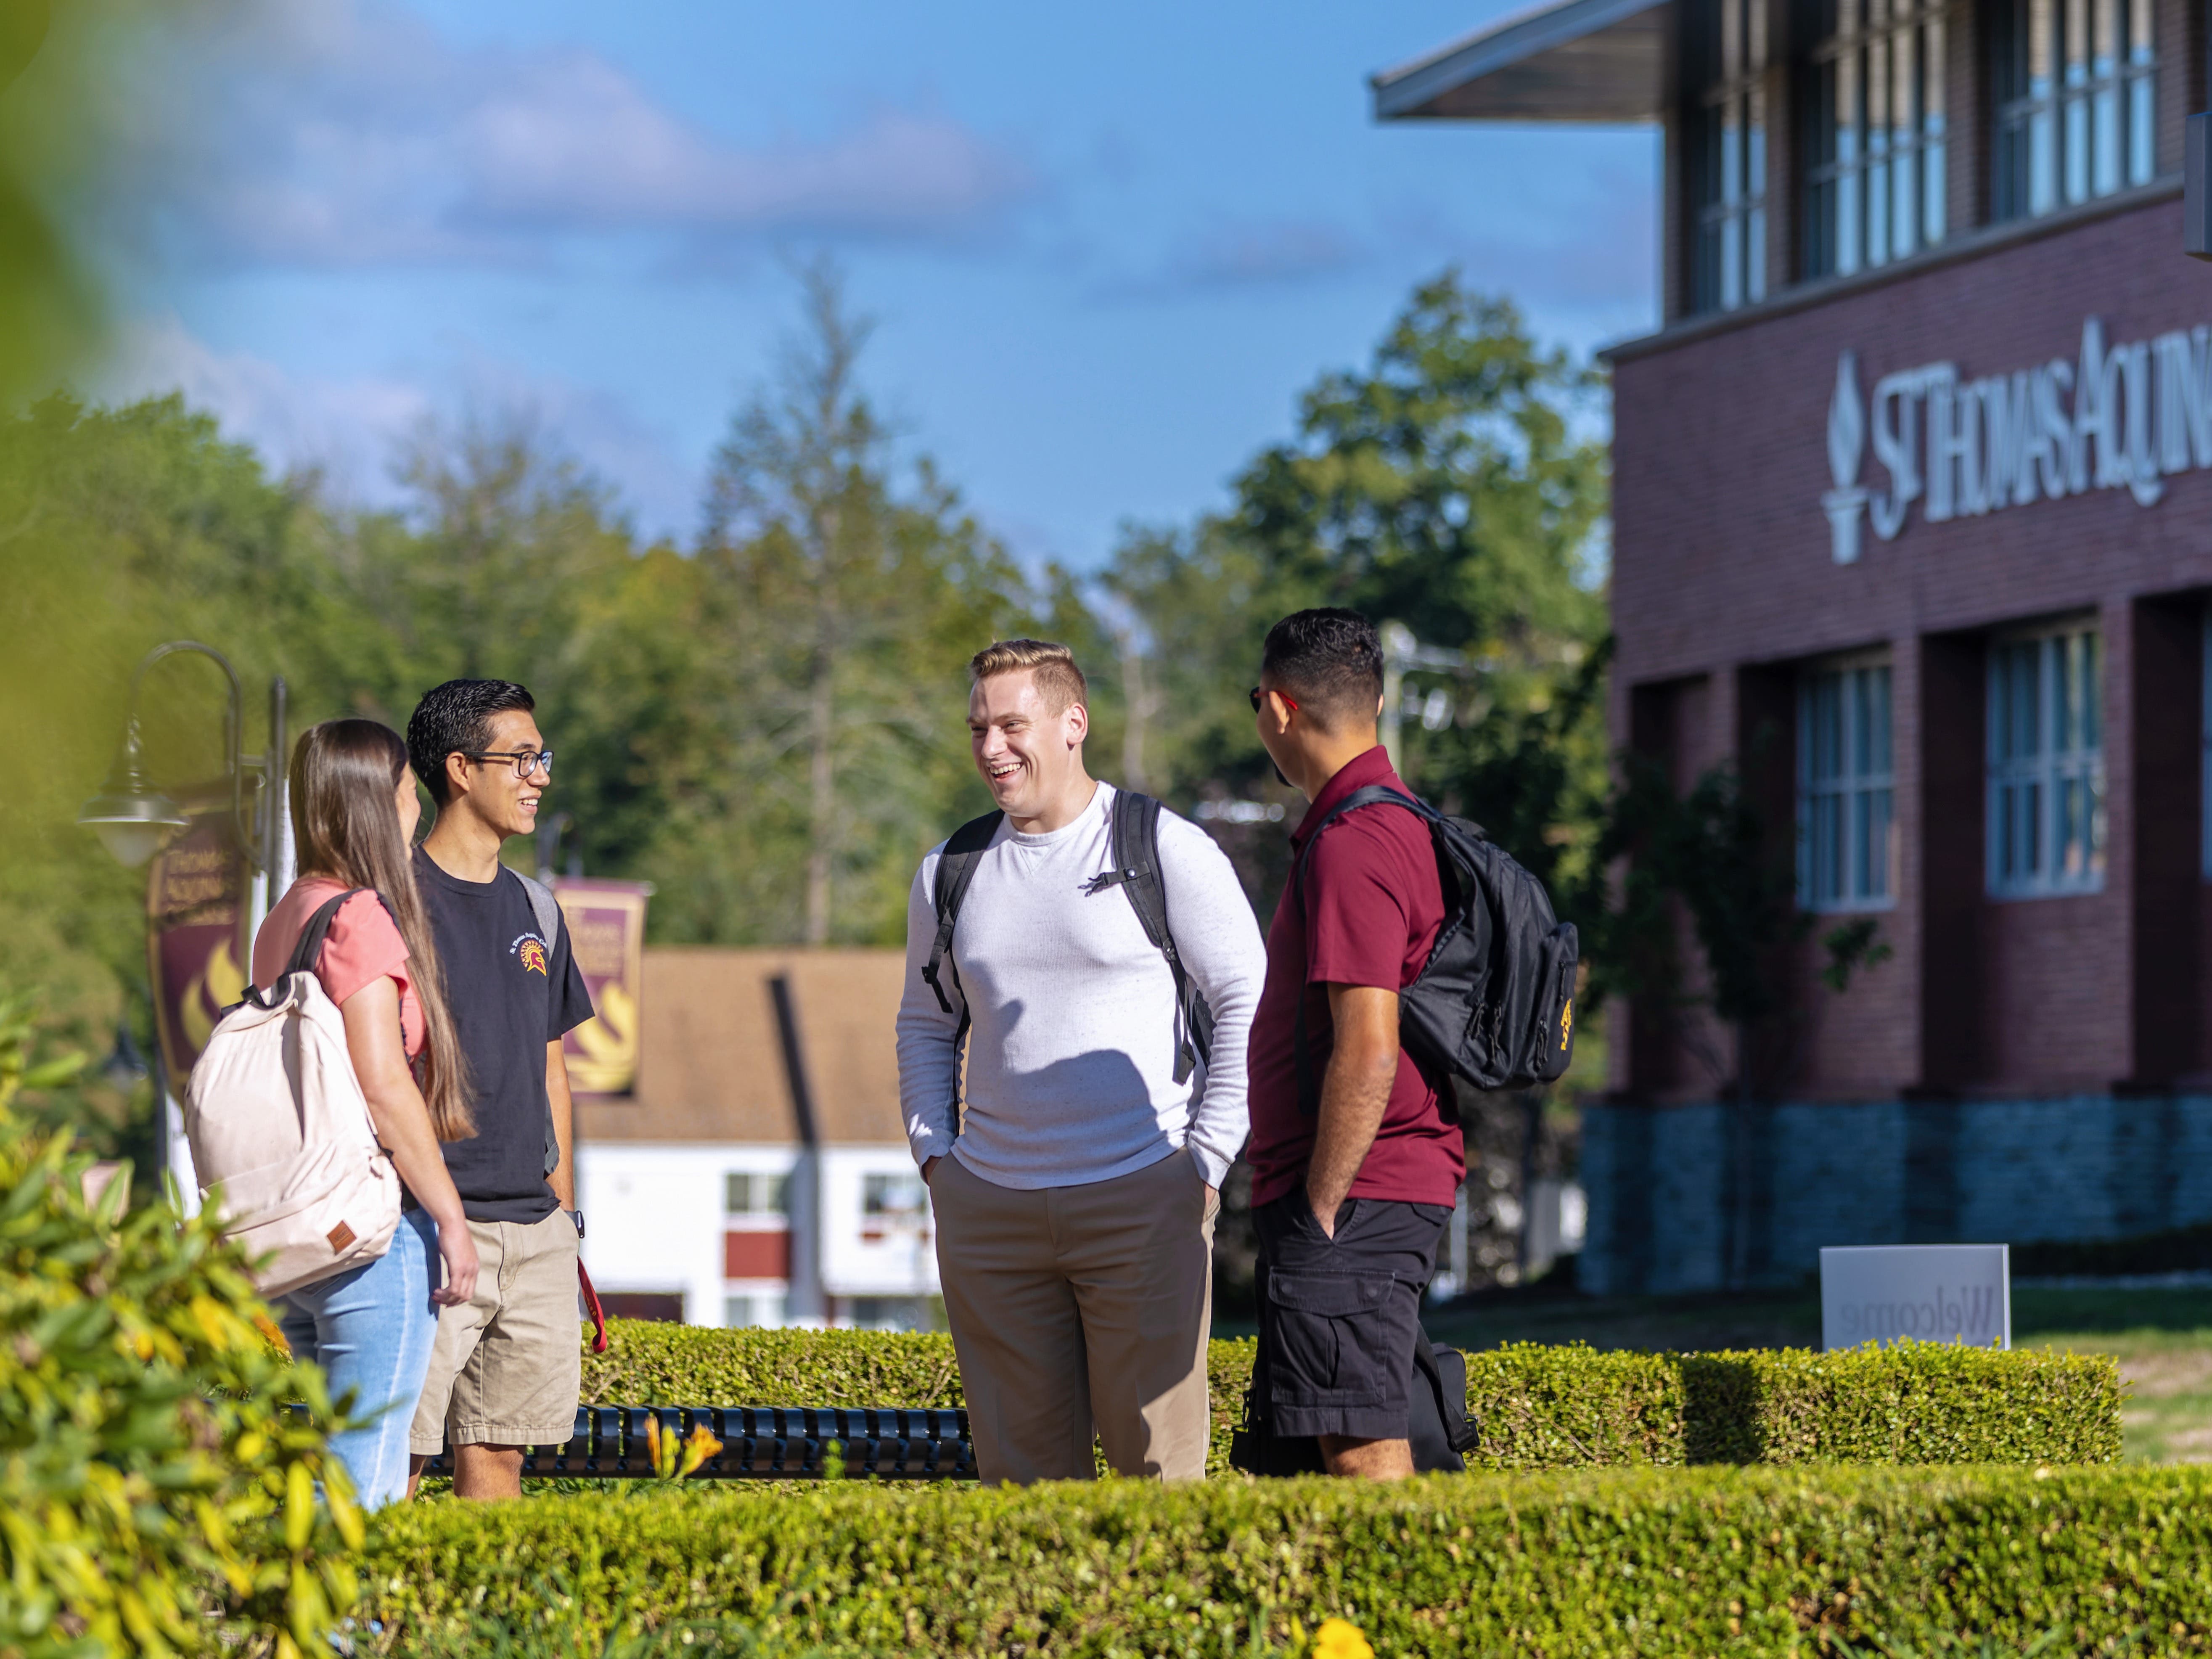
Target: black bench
{"points": [[760, 1442]]}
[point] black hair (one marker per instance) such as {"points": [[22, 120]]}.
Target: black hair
{"points": [[1330, 661], [456, 718]]}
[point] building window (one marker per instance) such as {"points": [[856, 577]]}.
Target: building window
{"points": [[1846, 791], [749, 1193], [1873, 134], [2073, 83], [894, 1198], [738, 1311], [2047, 797], [1726, 150]]}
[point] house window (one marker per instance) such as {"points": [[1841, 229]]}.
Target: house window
{"points": [[894, 1198], [2073, 83], [1873, 134], [1726, 151], [743, 1311], [1846, 789], [2047, 745], [751, 1192]]}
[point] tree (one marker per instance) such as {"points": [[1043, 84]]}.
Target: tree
{"points": [[846, 605], [1445, 486]]}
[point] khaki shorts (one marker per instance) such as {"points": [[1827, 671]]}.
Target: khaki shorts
{"points": [[506, 1367]]}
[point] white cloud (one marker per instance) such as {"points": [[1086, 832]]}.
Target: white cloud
{"points": [[343, 429], [350, 431], [349, 132]]}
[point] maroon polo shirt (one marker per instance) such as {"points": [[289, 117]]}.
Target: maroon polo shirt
{"points": [[1363, 911]]}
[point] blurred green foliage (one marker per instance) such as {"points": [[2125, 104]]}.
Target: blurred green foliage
{"points": [[51, 306], [156, 1496]]}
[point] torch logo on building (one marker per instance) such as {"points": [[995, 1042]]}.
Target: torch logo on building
{"points": [[1846, 440]]}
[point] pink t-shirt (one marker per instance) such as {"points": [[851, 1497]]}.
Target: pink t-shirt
{"points": [[361, 945]]}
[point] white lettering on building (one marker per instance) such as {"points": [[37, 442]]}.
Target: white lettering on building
{"points": [[2122, 416]]}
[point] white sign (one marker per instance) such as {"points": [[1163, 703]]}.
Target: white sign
{"points": [[1931, 1292], [2121, 417]]}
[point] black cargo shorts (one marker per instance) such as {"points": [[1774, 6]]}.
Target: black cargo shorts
{"points": [[1338, 1315]]}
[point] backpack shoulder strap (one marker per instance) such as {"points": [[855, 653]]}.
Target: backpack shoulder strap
{"points": [[1372, 794], [956, 870], [547, 908], [309, 946], [544, 904], [1133, 844]]}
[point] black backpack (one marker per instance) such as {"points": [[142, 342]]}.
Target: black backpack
{"points": [[1495, 1002], [1134, 837], [1438, 1430]]}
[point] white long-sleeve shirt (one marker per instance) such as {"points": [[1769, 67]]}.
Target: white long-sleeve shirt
{"points": [[1071, 1053]]}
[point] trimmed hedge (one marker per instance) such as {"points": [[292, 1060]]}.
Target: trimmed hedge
{"points": [[1613, 1562], [1537, 1407]]}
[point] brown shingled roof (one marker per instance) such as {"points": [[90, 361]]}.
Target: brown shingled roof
{"points": [[712, 1065]]}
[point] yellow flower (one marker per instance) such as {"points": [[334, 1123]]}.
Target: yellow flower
{"points": [[1338, 1639], [697, 1449]]}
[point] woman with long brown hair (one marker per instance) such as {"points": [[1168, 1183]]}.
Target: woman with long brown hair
{"points": [[354, 813]]}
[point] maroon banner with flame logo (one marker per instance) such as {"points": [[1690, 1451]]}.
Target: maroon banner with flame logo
{"points": [[606, 931], [196, 930]]}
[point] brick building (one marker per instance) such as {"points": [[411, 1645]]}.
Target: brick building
{"points": [[1913, 524]]}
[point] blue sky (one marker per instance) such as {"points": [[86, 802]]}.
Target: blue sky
{"points": [[1105, 249]]}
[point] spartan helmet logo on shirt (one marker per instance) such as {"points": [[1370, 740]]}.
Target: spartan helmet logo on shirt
{"points": [[532, 951]]}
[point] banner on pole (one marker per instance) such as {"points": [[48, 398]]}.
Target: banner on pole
{"points": [[606, 931], [195, 929]]}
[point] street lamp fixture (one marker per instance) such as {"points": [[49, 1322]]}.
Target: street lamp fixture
{"points": [[130, 818], [133, 820]]}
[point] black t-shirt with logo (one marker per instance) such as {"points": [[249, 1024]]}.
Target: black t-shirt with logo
{"points": [[511, 991]]}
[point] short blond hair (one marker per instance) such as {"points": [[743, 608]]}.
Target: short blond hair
{"points": [[1059, 681]]}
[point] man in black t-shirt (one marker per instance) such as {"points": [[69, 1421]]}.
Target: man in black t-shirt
{"points": [[506, 1368]]}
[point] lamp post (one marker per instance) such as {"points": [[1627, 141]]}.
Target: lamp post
{"points": [[134, 819], [1401, 652]]}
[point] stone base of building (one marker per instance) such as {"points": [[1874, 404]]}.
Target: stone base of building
{"points": [[1718, 1195]]}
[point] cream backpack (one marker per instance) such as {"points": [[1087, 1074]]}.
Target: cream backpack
{"points": [[280, 1134]]}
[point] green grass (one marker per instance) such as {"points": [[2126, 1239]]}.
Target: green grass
{"points": [[2161, 1337]]}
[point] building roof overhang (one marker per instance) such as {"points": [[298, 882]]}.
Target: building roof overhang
{"points": [[1596, 61]]}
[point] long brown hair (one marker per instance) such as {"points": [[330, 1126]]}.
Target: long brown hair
{"points": [[345, 825]]}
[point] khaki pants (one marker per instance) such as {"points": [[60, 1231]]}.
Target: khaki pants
{"points": [[507, 1366], [1076, 1306]]}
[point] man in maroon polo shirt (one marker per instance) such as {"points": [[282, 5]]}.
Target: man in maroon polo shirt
{"points": [[1355, 1171]]}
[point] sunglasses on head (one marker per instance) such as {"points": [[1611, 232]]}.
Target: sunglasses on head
{"points": [[1258, 695]]}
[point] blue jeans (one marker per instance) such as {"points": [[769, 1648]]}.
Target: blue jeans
{"points": [[370, 1329]]}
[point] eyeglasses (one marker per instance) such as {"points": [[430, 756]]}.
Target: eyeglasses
{"points": [[527, 761], [1259, 696]]}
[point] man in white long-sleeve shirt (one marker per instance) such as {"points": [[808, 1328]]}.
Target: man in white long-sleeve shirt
{"points": [[1075, 1193]]}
